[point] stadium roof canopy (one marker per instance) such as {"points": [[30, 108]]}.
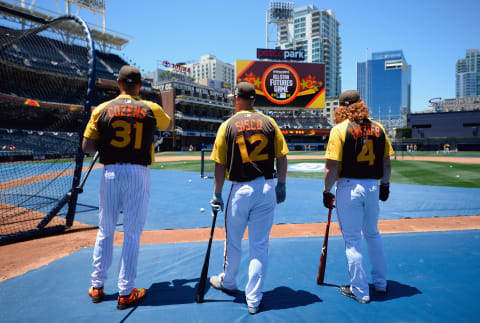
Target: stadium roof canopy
{"points": [[30, 16]]}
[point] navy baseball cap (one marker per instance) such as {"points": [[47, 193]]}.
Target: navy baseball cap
{"points": [[244, 90], [349, 97], [129, 74]]}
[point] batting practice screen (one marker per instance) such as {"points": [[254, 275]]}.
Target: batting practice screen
{"points": [[285, 84]]}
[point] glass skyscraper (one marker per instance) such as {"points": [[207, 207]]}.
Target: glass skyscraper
{"points": [[316, 32], [468, 75], [384, 82]]}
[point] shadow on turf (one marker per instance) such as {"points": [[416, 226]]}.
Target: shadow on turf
{"points": [[180, 291], [282, 298], [395, 290]]}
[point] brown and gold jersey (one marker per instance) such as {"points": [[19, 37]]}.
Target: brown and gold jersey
{"points": [[360, 147], [247, 144], [124, 128]]}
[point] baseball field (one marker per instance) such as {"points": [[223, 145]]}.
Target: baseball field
{"points": [[430, 227]]}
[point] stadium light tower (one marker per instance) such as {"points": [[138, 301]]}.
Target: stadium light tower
{"points": [[279, 13]]}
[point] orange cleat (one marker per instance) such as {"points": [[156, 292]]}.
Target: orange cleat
{"points": [[130, 300], [96, 294]]}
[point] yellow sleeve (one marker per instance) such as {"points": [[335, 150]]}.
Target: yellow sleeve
{"points": [[219, 152], [91, 130], [388, 147], [163, 120], [335, 143], [281, 148]]}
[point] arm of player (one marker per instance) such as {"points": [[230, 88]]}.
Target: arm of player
{"points": [[280, 189], [387, 170], [89, 146], [331, 173], [385, 181], [218, 181]]}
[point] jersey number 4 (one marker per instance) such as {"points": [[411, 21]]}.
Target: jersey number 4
{"points": [[367, 154], [123, 133], [256, 154]]}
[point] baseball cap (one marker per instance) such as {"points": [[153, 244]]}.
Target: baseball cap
{"points": [[349, 97], [244, 90], [129, 74]]}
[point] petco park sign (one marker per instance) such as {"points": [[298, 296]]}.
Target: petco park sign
{"points": [[291, 55]]}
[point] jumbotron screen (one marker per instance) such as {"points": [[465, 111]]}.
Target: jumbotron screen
{"points": [[285, 84]]}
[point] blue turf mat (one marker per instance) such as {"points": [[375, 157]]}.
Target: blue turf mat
{"points": [[175, 202], [432, 278]]}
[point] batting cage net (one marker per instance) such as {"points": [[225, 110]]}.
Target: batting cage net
{"points": [[207, 166], [46, 72]]}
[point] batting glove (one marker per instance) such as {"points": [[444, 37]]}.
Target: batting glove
{"points": [[328, 199], [217, 202], [384, 191], [281, 190]]}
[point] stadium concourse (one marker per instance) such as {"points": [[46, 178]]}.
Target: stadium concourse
{"points": [[432, 258]]}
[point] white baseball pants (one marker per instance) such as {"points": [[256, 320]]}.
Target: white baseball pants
{"points": [[357, 212], [253, 204], [123, 187]]}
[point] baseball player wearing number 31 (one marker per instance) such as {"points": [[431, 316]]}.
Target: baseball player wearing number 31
{"points": [[358, 154], [245, 149], [122, 131]]}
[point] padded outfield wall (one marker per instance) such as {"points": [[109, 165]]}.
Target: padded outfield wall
{"points": [[444, 124], [430, 131]]}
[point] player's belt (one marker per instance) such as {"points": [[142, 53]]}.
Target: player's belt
{"points": [[251, 179]]}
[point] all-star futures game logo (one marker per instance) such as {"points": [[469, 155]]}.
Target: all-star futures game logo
{"points": [[280, 83]]}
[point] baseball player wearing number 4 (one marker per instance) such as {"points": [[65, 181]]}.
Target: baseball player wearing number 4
{"points": [[122, 131], [245, 149], [358, 154]]}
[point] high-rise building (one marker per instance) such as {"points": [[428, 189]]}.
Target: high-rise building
{"points": [[384, 83], [317, 33], [468, 74], [210, 69]]}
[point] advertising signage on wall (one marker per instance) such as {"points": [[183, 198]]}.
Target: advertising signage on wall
{"points": [[305, 132], [285, 84], [280, 54]]}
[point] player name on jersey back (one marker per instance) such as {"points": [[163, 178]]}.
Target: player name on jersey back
{"points": [[131, 111], [365, 130]]}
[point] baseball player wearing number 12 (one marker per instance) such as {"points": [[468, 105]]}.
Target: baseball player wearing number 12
{"points": [[122, 131], [245, 150], [358, 154]]}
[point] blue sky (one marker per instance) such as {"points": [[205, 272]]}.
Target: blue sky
{"points": [[432, 34]]}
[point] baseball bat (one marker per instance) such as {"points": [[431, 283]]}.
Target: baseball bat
{"points": [[203, 276], [323, 257], [67, 196]]}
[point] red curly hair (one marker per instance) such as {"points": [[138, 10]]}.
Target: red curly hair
{"points": [[354, 112]]}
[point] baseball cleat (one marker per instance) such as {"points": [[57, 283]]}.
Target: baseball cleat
{"points": [[132, 299], [254, 309], [217, 283], [96, 294], [347, 291]]}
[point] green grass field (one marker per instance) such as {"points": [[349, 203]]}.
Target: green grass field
{"points": [[403, 171]]}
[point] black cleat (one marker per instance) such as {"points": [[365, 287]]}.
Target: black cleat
{"points": [[347, 291]]}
